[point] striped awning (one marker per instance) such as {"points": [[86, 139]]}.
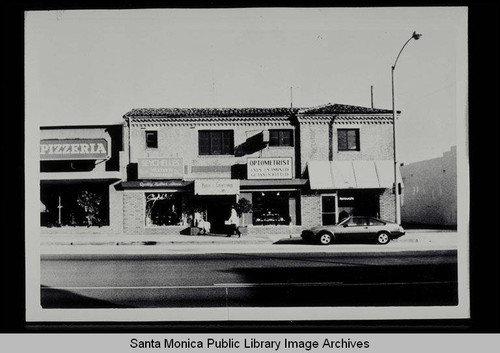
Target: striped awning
{"points": [[351, 174]]}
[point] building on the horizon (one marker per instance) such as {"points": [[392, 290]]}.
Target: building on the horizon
{"points": [[430, 194]]}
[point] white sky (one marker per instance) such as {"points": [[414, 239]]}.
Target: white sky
{"points": [[91, 67]]}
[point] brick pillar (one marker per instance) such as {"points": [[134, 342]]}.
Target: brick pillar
{"points": [[311, 210], [387, 205]]}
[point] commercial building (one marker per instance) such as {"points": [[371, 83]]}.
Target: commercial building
{"points": [[296, 167], [430, 196], [164, 169], [80, 167]]}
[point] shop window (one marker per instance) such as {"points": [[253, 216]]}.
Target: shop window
{"points": [[328, 210], [215, 142], [271, 208], [74, 205], [281, 138], [152, 139], [163, 209], [348, 139]]}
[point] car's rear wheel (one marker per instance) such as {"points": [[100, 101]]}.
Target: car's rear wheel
{"points": [[383, 238], [325, 238]]}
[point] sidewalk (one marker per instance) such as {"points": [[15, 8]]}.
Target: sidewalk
{"points": [[119, 243]]}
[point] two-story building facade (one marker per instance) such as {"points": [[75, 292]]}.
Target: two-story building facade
{"points": [[346, 153], [296, 167], [187, 161]]}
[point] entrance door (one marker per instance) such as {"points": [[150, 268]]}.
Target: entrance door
{"points": [[218, 210], [329, 209]]}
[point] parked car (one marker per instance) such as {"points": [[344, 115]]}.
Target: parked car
{"points": [[355, 228]]}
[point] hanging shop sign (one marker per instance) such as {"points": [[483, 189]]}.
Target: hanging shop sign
{"points": [[161, 168], [270, 168], [216, 187], [74, 149]]}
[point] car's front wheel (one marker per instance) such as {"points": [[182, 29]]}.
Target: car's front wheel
{"points": [[383, 238], [325, 238]]}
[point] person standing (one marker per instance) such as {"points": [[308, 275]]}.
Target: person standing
{"points": [[234, 223]]}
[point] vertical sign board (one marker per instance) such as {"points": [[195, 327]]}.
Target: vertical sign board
{"points": [[74, 149], [270, 168], [161, 168], [216, 187]]}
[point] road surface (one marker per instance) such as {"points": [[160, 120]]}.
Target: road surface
{"points": [[422, 278]]}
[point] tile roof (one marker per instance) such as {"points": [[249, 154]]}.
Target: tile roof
{"points": [[327, 109], [209, 112], [342, 109]]}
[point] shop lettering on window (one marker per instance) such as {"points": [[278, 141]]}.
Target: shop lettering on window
{"points": [[163, 209]]}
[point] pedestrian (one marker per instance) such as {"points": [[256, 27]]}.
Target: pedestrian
{"points": [[234, 223]]}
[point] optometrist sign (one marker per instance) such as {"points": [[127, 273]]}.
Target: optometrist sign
{"points": [[74, 149], [161, 168], [270, 168]]}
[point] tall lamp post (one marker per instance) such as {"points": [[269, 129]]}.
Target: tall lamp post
{"points": [[396, 185]]}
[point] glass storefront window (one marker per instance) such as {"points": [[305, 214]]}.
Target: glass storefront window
{"points": [[75, 204], [271, 208], [328, 210], [163, 209]]}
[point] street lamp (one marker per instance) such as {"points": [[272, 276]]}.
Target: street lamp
{"points": [[396, 185]]}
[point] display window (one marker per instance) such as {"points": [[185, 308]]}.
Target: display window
{"points": [[358, 203], [77, 205], [271, 208], [163, 209]]}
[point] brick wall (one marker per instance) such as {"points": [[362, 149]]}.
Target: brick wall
{"points": [[319, 142], [311, 210], [182, 141], [387, 204]]}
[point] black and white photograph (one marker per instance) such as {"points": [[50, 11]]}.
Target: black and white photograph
{"points": [[247, 164]]}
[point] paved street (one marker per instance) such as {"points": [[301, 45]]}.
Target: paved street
{"points": [[380, 278]]}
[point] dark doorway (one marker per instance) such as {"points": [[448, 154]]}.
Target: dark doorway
{"points": [[218, 210]]}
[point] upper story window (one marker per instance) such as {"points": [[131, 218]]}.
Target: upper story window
{"points": [[348, 139], [215, 142], [281, 138], [152, 139]]}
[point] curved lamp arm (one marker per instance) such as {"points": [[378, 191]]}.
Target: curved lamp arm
{"points": [[414, 36]]}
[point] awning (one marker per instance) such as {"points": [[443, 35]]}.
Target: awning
{"points": [[155, 184], [351, 174]]}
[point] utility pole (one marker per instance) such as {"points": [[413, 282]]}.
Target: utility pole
{"points": [[372, 95]]}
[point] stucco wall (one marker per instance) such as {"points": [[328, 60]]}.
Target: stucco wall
{"points": [[430, 193]]}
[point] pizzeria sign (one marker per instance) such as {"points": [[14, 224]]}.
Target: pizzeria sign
{"points": [[74, 149]]}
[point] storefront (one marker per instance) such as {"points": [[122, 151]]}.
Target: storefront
{"points": [[78, 178], [76, 203], [351, 188], [172, 205]]}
